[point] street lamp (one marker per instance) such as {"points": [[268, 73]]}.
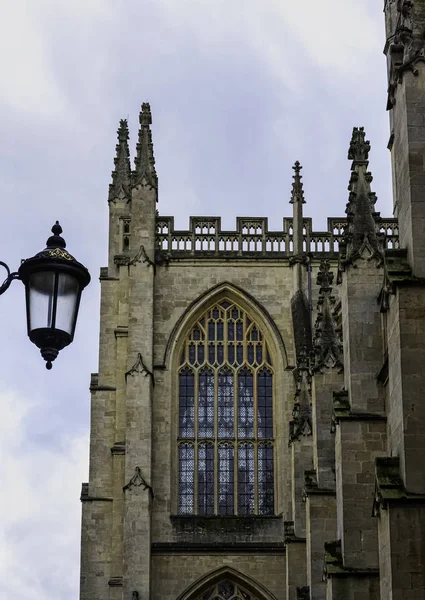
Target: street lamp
{"points": [[53, 282]]}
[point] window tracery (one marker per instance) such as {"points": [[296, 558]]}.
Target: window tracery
{"points": [[225, 438], [226, 590]]}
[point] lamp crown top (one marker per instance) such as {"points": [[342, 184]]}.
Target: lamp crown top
{"points": [[56, 240]]}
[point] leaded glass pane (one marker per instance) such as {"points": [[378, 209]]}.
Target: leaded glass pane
{"points": [[220, 354], [225, 479], [226, 408], [246, 479], [265, 404], [265, 480], [226, 590], [239, 354], [201, 353], [186, 405], [206, 404], [206, 479], [186, 478], [245, 404]]}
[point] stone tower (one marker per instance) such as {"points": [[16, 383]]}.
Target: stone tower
{"points": [[257, 421]]}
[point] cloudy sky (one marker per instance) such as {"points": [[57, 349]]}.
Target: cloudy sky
{"points": [[239, 90]]}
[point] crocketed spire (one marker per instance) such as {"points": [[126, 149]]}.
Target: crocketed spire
{"points": [[327, 342], [145, 161], [297, 201], [121, 175], [301, 424], [362, 234], [297, 185]]}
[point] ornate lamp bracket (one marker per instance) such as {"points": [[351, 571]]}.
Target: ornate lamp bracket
{"points": [[10, 277]]}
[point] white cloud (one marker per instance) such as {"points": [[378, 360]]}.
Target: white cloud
{"points": [[39, 506]]}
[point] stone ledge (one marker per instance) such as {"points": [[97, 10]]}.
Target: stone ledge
{"points": [[342, 411], [84, 497], [95, 387], [118, 449], [289, 534], [389, 486], [218, 547], [311, 486], [333, 566]]}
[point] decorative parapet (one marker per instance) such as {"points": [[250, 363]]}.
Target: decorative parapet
{"points": [[253, 239]]}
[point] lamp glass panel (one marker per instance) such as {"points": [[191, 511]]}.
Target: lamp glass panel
{"points": [[41, 289], [68, 292]]}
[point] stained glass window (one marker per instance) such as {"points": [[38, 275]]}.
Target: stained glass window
{"points": [[226, 438], [226, 590]]}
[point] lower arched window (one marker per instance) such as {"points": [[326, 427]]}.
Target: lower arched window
{"points": [[226, 439], [226, 590]]}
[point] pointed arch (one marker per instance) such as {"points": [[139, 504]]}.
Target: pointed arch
{"points": [[201, 585], [241, 297]]}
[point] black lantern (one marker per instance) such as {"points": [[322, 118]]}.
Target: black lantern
{"points": [[53, 282]]}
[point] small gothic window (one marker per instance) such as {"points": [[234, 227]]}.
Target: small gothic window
{"points": [[226, 590], [225, 439]]}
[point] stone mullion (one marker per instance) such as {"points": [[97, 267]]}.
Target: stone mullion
{"points": [[236, 448], [256, 482], [196, 441], [216, 466]]}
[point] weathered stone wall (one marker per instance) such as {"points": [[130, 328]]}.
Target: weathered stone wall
{"points": [[172, 574]]}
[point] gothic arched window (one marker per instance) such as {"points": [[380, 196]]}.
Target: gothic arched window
{"points": [[225, 439]]}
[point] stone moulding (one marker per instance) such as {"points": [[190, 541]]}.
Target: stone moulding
{"points": [[342, 411], [115, 582], [311, 486], [96, 387], [289, 534], [118, 449], [389, 486], [140, 367], [333, 565], [218, 547], [137, 481], [84, 497]]}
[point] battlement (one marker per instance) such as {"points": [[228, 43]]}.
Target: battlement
{"points": [[253, 238]]}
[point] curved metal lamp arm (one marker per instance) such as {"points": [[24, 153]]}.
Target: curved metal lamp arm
{"points": [[10, 277]]}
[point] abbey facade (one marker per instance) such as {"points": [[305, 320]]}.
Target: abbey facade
{"points": [[258, 419]]}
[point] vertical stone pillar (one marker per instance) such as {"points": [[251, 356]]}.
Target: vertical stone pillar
{"points": [[320, 528], [405, 50], [401, 534], [138, 493], [295, 562]]}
